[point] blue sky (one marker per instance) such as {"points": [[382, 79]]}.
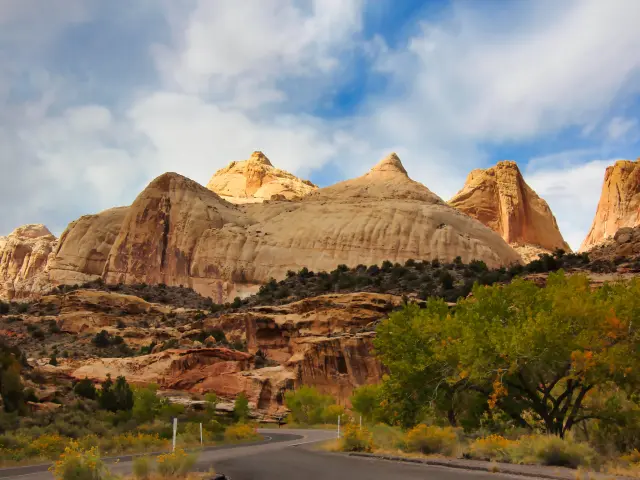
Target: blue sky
{"points": [[97, 98]]}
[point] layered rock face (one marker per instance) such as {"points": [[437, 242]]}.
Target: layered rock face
{"points": [[24, 255], [324, 341], [179, 233], [501, 199], [257, 180], [619, 204]]}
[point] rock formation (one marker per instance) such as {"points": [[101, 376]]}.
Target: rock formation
{"points": [[84, 247], [324, 341], [257, 180], [177, 232], [24, 254], [619, 204], [501, 199]]}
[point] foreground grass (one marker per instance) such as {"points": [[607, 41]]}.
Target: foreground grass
{"points": [[49, 447], [445, 442]]}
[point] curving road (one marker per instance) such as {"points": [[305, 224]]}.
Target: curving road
{"points": [[287, 455]]}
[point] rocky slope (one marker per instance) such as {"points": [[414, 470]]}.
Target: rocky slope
{"points": [[619, 204], [257, 180], [24, 254], [177, 232], [501, 199], [325, 341]]}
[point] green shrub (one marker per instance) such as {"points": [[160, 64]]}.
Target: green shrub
{"points": [[356, 439], [141, 467], [431, 439], [552, 450], [86, 389], [241, 408], [386, 437], [332, 412], [307, 405]]}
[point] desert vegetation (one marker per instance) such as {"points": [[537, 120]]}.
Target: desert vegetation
{"points": [[113, 419], [514, 373]]}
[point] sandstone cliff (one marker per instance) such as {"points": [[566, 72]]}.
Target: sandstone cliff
{"points": [[256, 180], [179, 233], [24, 255], [324, 341], [501, 199], [84, 247], [619, 204]]}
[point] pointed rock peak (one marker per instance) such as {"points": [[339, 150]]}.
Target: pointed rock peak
{"points": [[259, 157], [510, 164], [391, 163]]}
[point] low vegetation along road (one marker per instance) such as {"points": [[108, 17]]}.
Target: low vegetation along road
{"points": [[283, 455]]}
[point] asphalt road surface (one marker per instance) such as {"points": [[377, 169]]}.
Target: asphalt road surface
{"points": [[288, 455]]}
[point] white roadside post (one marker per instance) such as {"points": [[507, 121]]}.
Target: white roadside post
{"points": [[175, 432], [201, 442], [338, 426]]}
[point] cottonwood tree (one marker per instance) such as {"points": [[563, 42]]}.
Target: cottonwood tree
{"points": [[534, 353]]}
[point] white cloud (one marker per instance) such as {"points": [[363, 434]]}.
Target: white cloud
{"points": [[234, 77], [571, 188], [482, 83], [620, 127]]}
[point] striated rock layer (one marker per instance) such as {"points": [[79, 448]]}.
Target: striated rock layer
{"points": [[257, 180], [179, 233], [24, 254], [501, 199], [619, 204], [325, 341]]}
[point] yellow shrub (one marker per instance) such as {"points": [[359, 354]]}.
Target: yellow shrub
{"points": [[631, 457], [48, 446], [78, 464], [430, 439], [493, 447], [242, 431], [355, 439], [178, 463]]}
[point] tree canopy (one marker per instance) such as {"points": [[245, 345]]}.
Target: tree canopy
{"points": [[534, 353]]}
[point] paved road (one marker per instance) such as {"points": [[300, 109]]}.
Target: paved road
{"points": [[274, 439], [288, 455], [303, 463]]}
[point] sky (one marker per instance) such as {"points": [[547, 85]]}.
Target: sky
{"points": [[98, 98]]}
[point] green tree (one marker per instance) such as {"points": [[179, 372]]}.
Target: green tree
{"points": [[212, 400], [107, 399], [146, 403], [241, 408], [533, 353], [85, 388], [123, 394], [53, 360], [12, 390], [365, 400], [307, 405], [11, 387]]}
